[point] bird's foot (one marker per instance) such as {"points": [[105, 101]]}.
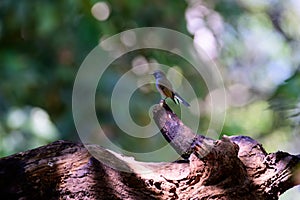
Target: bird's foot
{"points": [[162, 102]]}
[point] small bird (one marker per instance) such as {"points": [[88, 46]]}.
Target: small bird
{"points": [[164, 87]]}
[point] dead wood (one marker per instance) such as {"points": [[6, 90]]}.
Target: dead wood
{"points": [[230, 168]]}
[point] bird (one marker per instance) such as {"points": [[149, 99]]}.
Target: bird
{"points": [[164, 87]]}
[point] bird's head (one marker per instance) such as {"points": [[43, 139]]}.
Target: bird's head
{"points": [[158, 74]]}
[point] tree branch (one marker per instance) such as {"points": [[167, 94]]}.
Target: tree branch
{"points": [[231, 168]]}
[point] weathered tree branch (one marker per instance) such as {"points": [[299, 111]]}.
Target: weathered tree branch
{"points": [[231, 168]]}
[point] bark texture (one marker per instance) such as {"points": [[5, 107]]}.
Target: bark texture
{"points": [[231, 168]]}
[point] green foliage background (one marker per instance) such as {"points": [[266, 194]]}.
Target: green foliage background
{"points": [[43, 43]]}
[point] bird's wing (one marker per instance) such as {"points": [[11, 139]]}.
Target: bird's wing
{"points": [[166, 87], [166, 83], [166, 91]]}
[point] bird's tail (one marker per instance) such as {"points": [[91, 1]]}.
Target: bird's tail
{"points": [[181, 100]]}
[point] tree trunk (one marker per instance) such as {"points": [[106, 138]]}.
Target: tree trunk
{"points": [[231, 168]]}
